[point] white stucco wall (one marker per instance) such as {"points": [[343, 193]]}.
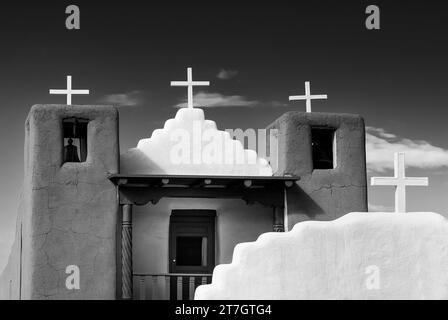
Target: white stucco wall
{"points": [[189, 144], [358, 256]]}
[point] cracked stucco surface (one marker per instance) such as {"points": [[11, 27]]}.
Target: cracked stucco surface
{"points": [[322, 194], [71, 208]]}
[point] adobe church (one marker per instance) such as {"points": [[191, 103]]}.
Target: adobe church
{"points": [[139, 226]]}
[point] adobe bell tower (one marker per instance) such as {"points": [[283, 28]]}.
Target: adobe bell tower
{"points": [[70, 211], [327, 151]]}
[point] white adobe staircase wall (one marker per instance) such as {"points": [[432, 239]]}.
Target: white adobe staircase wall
{"points": [[358, 256], [205, 150]]}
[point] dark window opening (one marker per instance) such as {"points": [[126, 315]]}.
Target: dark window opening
{"points": [[192, 241], [74, 139], [323, 148], [191, 251]]}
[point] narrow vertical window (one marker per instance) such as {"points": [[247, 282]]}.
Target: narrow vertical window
{"points": [[323, 148], [74, 140]]}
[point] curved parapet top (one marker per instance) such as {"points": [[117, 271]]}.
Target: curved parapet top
{"points": [[358, 256]]}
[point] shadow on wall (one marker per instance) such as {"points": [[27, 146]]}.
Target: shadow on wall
{"points": [[134, 161], [299, 202]]}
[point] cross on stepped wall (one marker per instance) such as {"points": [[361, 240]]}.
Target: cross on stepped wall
{"points": [[400, 181], [189, 84]]}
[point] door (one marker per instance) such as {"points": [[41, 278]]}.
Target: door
{"points": [[191, 248]]}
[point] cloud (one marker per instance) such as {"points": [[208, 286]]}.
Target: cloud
{"points": [[129, 99], [380, 208], [381, 145], [212, 100], [381, 133], [227, 74], [276, 104]]}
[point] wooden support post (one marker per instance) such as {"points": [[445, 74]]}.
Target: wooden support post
{"points": [[126, 253], [142, 288], [167, 287], [179, 287], [155, 289], [191, 288], [279, 219]]}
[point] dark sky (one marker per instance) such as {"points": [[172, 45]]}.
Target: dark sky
{"points": [[389, 75], [395, 77]]}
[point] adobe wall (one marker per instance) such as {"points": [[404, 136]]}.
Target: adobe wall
{"points": [[322, 194], [10, 275], [12, 279], [71, 209], [358, 256]]}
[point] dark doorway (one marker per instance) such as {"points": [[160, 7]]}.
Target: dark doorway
{"points": [[191, 247], [323, 147]]}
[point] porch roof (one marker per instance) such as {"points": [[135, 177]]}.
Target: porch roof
{"points": [[142, 188]]}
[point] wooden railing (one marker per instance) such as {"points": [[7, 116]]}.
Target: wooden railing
{"points": [[169, 286]]}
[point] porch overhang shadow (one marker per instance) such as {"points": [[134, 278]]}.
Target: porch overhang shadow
{"points": [[143, 189]]}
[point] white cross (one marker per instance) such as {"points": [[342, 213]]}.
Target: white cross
{"points": [[400, 181], [190, 84], [69, 91], [308, 97]]}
